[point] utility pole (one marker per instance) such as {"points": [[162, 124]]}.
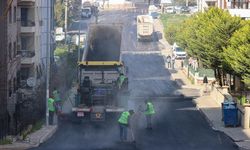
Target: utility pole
{"points": [[79, 36], [66, 20], [48, 61]]}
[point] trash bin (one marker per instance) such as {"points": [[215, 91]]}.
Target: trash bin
{"points": [[230, 114]]}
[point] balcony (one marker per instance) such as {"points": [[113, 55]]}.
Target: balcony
{"points": [[27, 26], [28, 57], [26, 2]]}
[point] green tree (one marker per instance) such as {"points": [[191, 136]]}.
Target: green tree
{"points": [[205, 36], [237, 54], [59, 13], [170, 33]]}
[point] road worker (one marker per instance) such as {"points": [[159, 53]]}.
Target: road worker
{"points": [[121, 80], [51, 107], [149, 112], [124, 123], [58, 102]]}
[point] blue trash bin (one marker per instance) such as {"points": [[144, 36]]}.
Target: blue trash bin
{"points": [[230, 114]]}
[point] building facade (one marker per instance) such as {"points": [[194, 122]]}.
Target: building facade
{"points": [[3, 70], [13, 63], [239, 8]]}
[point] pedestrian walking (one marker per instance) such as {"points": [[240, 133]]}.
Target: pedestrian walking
{"points": [[169, 61], [58, 102], [182, 64], [149, 112], [124, 124], [173, 61], [205, 82], [51, 107]]}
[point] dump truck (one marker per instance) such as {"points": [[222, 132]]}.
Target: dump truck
{"points": [[145, 27], [102, 74]]}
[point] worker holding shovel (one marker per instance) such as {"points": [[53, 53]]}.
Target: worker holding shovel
{"points": [[124, 124]]}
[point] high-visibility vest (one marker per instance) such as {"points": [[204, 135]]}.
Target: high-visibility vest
{"points": [[121, 80], [150, 109], [124, 118], [51, 106], [56, 95]]}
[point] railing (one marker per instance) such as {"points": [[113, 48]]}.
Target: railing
{"points": [[4, 125], [26, 53], [27, 23]]}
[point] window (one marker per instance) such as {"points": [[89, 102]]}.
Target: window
{"points": [[10, 15], [10, 49], [14, 15]]}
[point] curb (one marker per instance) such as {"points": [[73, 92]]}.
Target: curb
{"points": [[204, 115], [28, 145], [48, 135], [215, 129]]}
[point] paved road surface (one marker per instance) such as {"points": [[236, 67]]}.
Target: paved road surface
{"points": [[177, 125]]}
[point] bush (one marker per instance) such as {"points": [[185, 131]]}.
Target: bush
{"points": [[61, 50], [5, 141]]}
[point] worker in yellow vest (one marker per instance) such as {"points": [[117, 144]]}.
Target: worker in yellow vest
{"points": [[124, 123], [121, 80], [58, 103], [51, 107], [149, 112]]}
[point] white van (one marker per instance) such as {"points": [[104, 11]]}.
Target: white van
{"points": [[178, 52]]}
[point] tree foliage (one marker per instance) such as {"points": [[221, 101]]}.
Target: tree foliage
{"points": [[205, 35], [59, 13], [74, 9], [237, 54]]}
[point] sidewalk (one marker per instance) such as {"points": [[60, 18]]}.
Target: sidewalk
{"points": [[207, 106], [33, 139], [213, 113]]}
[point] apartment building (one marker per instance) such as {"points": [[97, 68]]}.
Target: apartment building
{"points": [[34, 34], [239, 8], [205, 4], [13, 63], [3, 71], [25, 34]]}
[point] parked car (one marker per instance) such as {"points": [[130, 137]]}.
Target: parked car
{"points": [[178, 52], [177, 9], [193, 9], [169, 9], [185, 9]]}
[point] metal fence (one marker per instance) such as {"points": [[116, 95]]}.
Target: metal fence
{"points": [[4, 125]]}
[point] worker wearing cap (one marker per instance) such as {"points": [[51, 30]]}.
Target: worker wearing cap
{"points": [[149, 112], [124, 123]]}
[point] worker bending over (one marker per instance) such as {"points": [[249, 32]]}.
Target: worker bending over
{"points": [[124, 123]]}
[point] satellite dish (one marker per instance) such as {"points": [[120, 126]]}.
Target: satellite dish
{"points": [[31, 82]]}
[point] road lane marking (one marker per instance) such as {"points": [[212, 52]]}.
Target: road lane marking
{"points": [[141, 52], [150, 78]]}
